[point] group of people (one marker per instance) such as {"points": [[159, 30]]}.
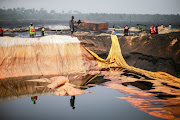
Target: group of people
{"points": [[32, 31], [72, 101], [125, 31], [153, 30]]}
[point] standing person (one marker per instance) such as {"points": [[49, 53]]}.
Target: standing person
{"points": [[126, 31], [170, 26], [156, 29], [152, 30], [31, 30], [71, 25], [43, 31], [113, 32], [1, 31], [114, 26]]}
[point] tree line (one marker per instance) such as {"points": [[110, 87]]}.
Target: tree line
{"points": [[42, 14]]}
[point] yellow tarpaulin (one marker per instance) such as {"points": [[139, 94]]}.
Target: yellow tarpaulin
{"points": [[115, 59]]}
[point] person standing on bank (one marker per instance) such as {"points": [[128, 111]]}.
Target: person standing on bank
{"points": [[113, 32], [71, 25], [1, 31], [126, 31], [31, 30], [43, 31], [153, 29], [170, 26]]}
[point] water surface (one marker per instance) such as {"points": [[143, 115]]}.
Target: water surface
{"points": [[114, 94]]}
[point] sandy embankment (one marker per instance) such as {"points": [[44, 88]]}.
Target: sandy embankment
{"points": [[50, 55]]}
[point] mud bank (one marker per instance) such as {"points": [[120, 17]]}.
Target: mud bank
{"points": [[150, 52], [49, 55]]}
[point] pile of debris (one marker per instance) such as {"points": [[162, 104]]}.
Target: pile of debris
{"points": [[91, 25]]}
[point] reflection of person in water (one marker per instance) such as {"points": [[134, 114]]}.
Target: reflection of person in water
{"points": [[34, 98], [72, 101]]}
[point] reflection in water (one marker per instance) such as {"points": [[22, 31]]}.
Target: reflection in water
{"points": [[153, 96], [34, 98], [16, 88], [72, 101]]}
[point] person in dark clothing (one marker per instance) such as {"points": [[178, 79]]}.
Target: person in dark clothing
{"points": [[114, 26], [71, 25], [126, 31], [79, 22], [72, 101], [77, 26], [156, 29]]}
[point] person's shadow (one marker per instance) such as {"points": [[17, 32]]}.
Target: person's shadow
{"points": [[72, 101]]}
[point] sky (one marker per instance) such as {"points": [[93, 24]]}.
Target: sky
{"points": [[99, 6]]}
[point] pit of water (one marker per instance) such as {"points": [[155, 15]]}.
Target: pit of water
{"points": [[112, 95]]}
